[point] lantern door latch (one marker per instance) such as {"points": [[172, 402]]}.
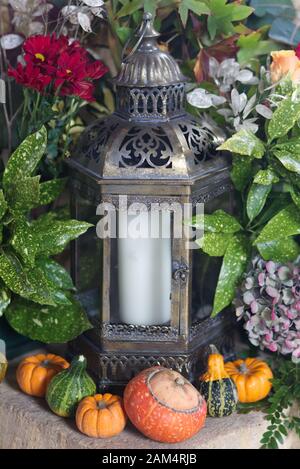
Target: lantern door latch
{"points": [[180, 271]]}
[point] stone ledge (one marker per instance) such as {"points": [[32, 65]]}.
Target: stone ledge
{"points": [[27, 422]]}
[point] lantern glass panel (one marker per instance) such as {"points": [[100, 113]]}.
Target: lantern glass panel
{"points": [[140, 275], [88, 265], [206, 269]]}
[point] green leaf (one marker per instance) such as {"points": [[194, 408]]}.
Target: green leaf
{"points": [[52, 236], [233, 266], [5, 298], [280, 250], [284, 118], [214, 244], [245, 143], [197, 7], [25, 158], [56, 273], [50, 190], [241, 172], [23, 241], [3, 204], [49, 324], [150, 6], [240, 12], [212, 26], [183, 13], [129, 8], [23, 195], [256, 199], [290, 161], [217, 222], [266, 177], [26, 282], [283, 224]]}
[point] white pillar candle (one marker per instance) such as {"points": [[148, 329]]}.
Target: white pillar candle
{"points": [[144, 270]]}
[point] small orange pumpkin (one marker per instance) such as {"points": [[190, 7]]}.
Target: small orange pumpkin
{"points": [[35, 373], [251, 377], [101, 416]]}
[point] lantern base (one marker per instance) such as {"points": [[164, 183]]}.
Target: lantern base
{"points": [[113, 369]]}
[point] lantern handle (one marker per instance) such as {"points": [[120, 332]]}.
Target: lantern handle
{"points": [[145, 27]]}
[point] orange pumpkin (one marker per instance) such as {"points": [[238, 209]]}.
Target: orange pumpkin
{"points": [[101, 416], [251, 377], [164, 406], [35, 373]]}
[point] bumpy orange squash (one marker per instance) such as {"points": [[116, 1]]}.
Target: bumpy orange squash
{"points": [[251, 377], [101, 416], [35, 373], [163, 405]]}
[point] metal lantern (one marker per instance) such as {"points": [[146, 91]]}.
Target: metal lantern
{"points": [[149, 300]]}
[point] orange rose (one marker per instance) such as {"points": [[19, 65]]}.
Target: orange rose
{"points": [[284, 62]]}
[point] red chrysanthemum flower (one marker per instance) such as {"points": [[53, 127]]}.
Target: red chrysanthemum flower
{"points": [[63, 65], [30, 76], [297, 50]]}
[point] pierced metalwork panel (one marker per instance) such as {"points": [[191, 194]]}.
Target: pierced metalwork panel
{"points": [[145, 147], [95, 139], [199, 140], [131, 332], [161, 102]]}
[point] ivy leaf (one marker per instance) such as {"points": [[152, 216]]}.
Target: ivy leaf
{"points": [[26, 282], [290, 161], [245, 143], [196, 7], [266, 177], [214, 244], [47, 324], [23, 195], [233, 266], [3, 204], [55, 273], [50, 190], [217, 222], [183, 13], [241, 172], [283, 119], [256, 199], [283, 224], [25, 158], [280, 250]]}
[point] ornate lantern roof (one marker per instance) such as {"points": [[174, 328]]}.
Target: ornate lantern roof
{"points": [[149, 136]]}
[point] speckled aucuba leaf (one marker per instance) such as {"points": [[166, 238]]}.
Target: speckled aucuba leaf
{"points": [[279, 250], [284, 224], [217, 222], [55, 273], [25, 159], [233, 266], [26, 282], [284, 118], [245, 143], [47, 324], [3, 204], [23, 195], [50, 190], [52, 239], [214, 244], [290, 161], [292, 145], [266, 177], [5, 298], [23, 240], [256, 199], [242, 170], [295, 197]]}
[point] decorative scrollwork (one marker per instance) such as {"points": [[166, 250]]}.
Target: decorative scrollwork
{"points": [[145, 147], [133, 332], [95, 139], [198, 140], [180, 271]]}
